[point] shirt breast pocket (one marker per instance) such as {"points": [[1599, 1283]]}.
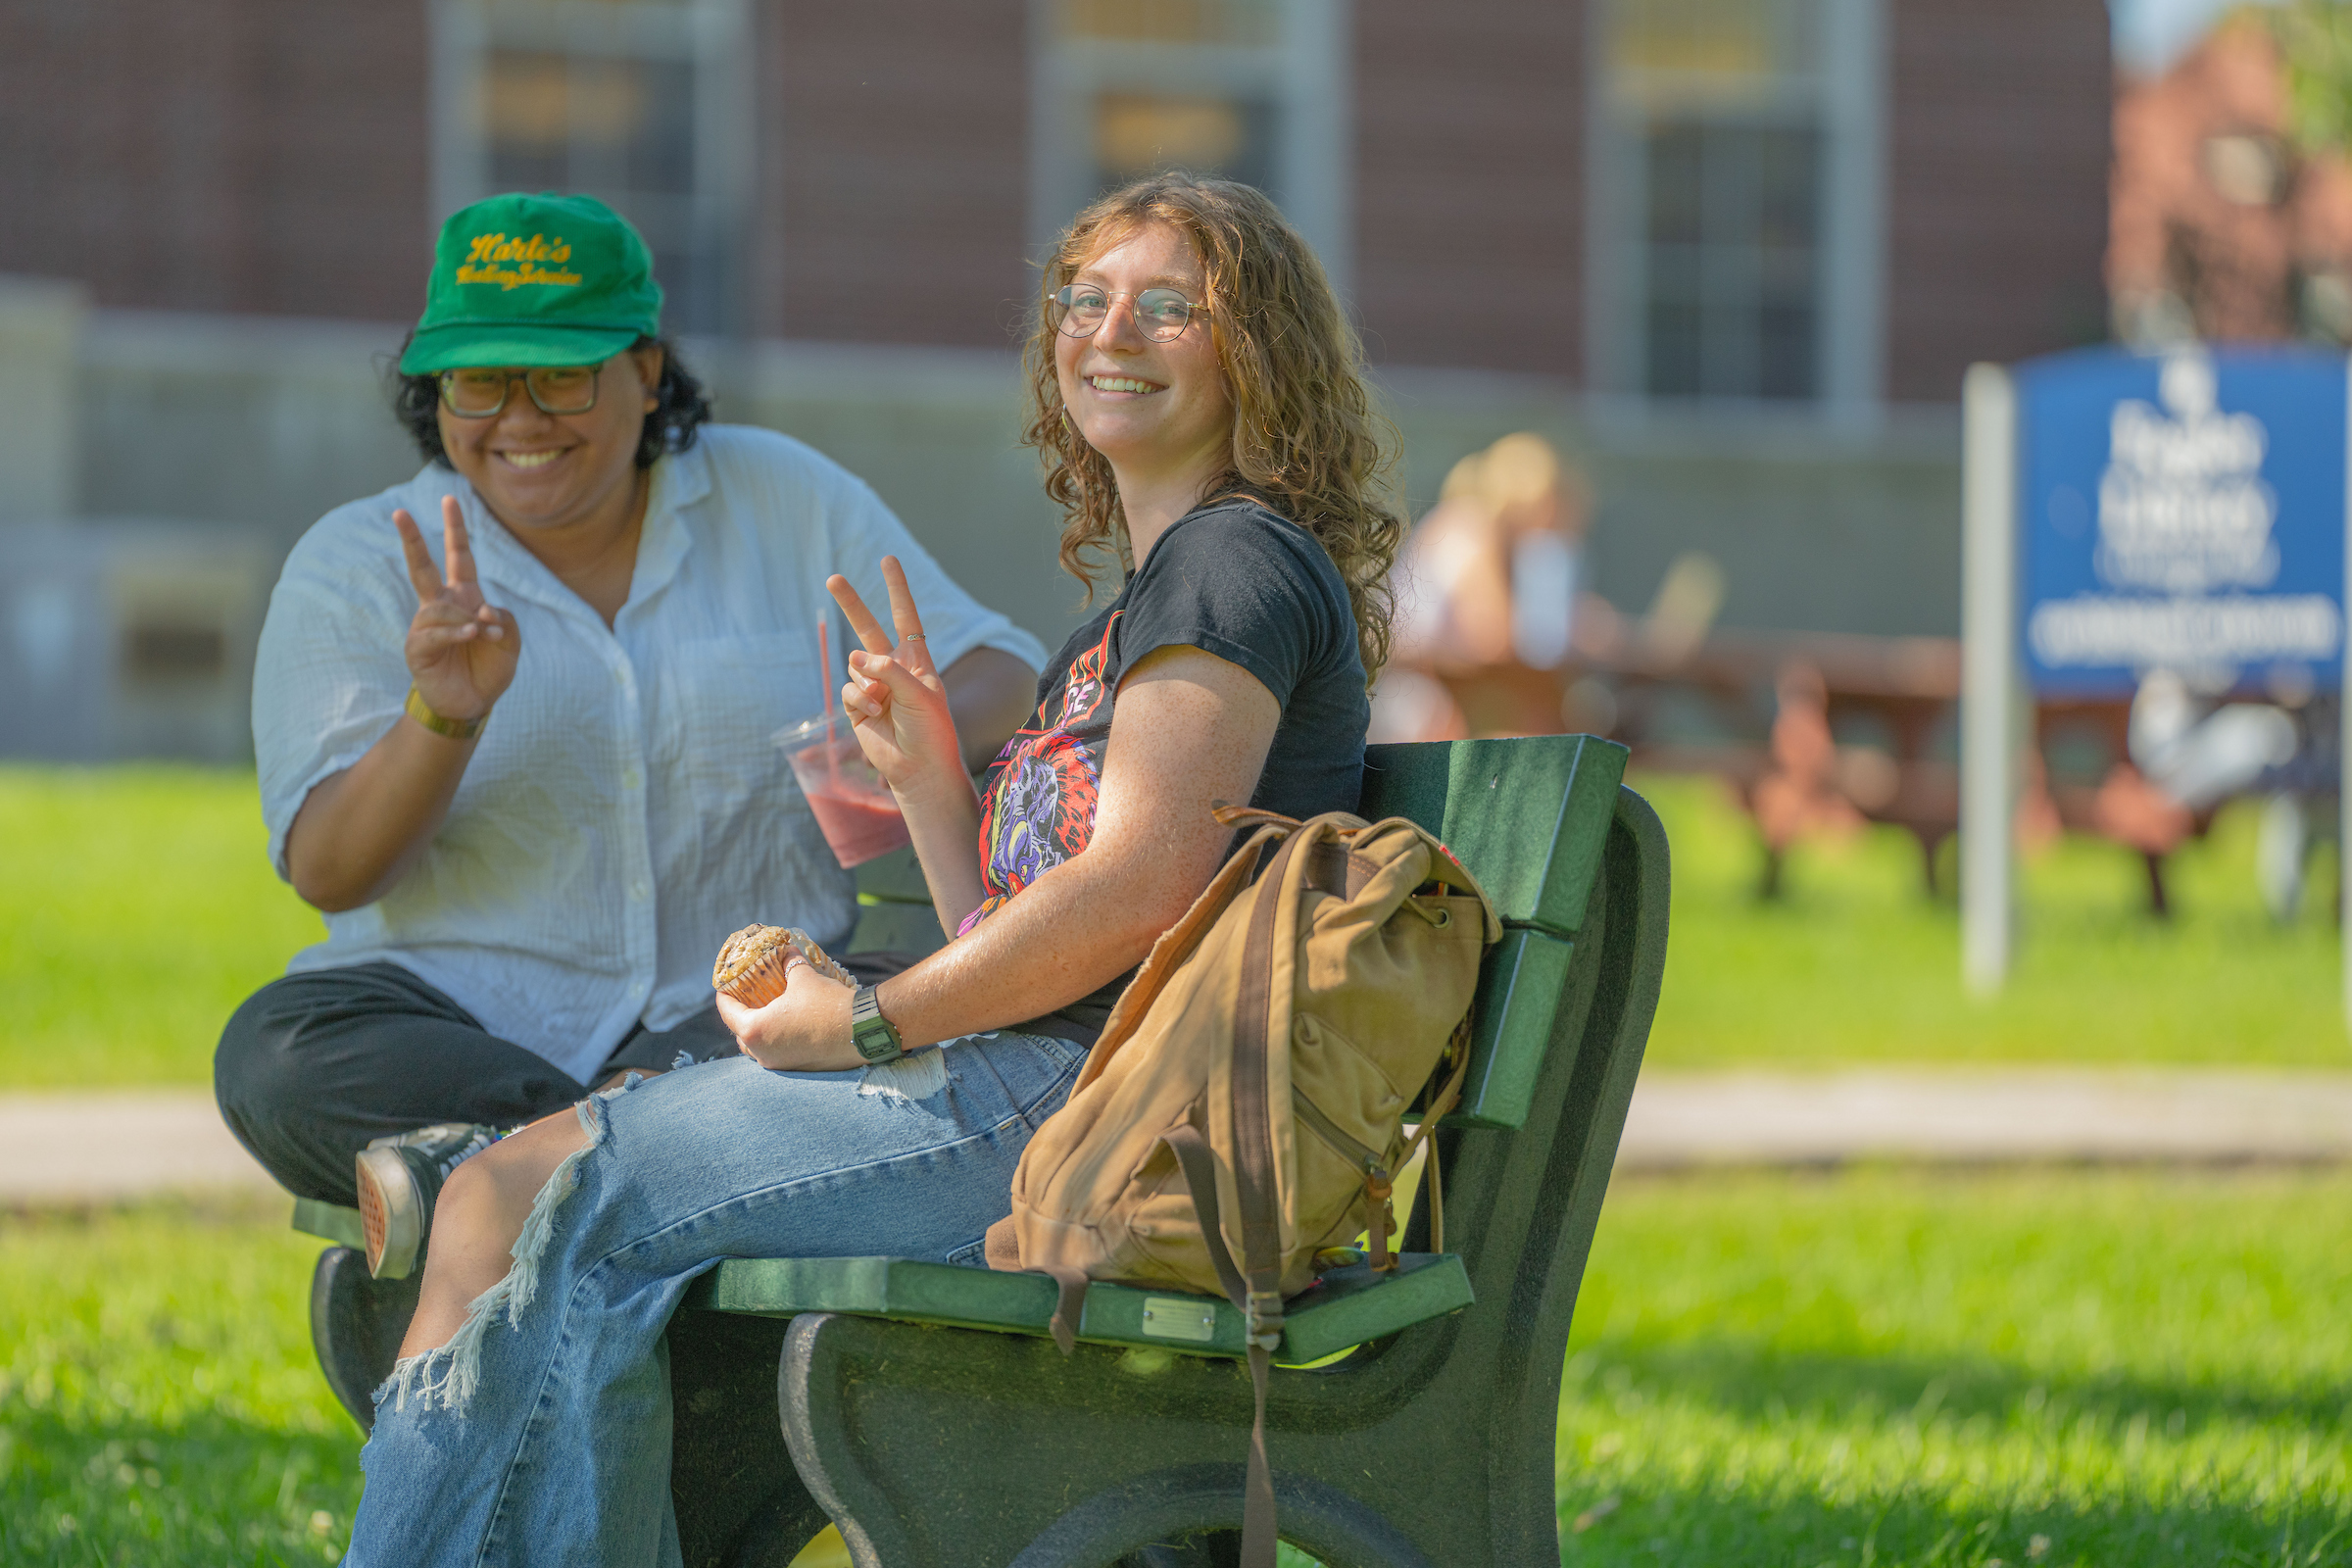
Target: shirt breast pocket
{"points": [[728, 696]]}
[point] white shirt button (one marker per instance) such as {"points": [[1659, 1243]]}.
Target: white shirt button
{"points": [[638, 891], [631, 779]]}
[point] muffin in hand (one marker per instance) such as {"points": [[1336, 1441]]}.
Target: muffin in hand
{"points": [[751, 965]]}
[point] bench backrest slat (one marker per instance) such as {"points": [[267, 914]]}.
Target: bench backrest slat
{"points": [[1529, 818]]}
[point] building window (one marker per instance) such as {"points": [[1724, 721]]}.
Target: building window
{"points": [[1252, 89], [642, 103], [1736, 230]]}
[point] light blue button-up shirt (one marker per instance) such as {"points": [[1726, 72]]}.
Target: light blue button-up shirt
{"points": [[625, 808]]}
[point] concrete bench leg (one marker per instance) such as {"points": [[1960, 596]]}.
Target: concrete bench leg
{"points": [[934, 1446], [739, 1502]]}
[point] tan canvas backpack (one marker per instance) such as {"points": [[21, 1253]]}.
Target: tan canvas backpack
{"points": [[1243, 1108]]}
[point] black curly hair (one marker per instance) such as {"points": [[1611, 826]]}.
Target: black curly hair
{"points": [[681, 407]]}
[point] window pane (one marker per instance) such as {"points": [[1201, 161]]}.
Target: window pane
{"points": [[1788, 185], [1731, 259], [1673, 348], [616, 129], [1136, 135], [1710, 54], [1786, 338], [1722, 100], [1675, 172], [1246, 23], [526, 116]]}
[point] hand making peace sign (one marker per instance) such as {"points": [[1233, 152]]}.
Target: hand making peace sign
{"points": [[894, 695], [461, 652]]}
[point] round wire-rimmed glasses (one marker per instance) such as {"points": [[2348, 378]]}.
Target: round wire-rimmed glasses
{"points": [[478, 393], [1160, 314]]}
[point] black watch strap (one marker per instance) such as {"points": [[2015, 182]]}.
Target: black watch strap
{"points": [[875, 1036]]}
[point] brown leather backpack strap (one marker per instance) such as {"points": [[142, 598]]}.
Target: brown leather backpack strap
{"points": [[1436, 1202], [1069, 1309], [1256, 1185], [1425, 1133], [1198, 1164], [1172, 948], [1239, 816]]}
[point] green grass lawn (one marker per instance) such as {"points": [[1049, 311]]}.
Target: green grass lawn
{"points": [[1874, 1369], [2053, 1368], [139, 909], [159, 1403], [1854, 964]]}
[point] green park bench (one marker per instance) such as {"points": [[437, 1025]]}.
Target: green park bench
{"points": [[924, 1409]]}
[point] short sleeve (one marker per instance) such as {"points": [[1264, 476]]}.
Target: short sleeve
{"points": [[954, 621], [330, 676], [1238, 582]]}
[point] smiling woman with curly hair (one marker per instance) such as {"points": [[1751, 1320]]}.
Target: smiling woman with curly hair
{"points": [[1202, 409], [1305, 439]]}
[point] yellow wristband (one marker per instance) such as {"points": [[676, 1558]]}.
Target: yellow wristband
{"points": [[457, 729]]}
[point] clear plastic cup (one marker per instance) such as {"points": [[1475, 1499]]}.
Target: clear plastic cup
{"points": [[858, 815]]}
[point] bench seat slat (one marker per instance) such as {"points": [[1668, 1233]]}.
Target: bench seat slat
{"points": [[1348, 1307], [330, 1222]]}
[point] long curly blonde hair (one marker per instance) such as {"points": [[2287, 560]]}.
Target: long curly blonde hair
{"points": [[1307, 442]]}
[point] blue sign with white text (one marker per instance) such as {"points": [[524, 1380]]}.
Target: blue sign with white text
{"points": [[2183, 512]]}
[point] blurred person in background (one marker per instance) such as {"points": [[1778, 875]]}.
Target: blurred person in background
{"points": [[2188, 754], [1490, 590], [519, 757]]}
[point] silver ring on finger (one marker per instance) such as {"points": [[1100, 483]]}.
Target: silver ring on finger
{"points": [[914, 637]]}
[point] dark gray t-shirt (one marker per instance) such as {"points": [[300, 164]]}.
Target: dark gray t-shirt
{"points": [[1233, 580]]}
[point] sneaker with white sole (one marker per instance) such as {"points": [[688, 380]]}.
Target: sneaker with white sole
{"points": [[399, 1178]]}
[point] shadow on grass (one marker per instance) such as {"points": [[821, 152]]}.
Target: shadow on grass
{"points": [[1834, 1466], [208, 1491], [1731, 1526]]}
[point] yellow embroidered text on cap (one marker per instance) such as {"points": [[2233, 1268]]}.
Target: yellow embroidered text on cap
{"points": [[536, 260]]}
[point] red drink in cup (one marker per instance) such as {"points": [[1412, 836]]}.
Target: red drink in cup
{"points": [[858, 815]]}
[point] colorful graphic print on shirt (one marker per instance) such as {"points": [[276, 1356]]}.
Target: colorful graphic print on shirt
{"points": [[1037, 804]]}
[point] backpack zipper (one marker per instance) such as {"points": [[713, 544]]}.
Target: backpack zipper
{"points": [[1379, 1184]]}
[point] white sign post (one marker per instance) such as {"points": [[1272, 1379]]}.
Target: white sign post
{"points": [[1988, 675]]}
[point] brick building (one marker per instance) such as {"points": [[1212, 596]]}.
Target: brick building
{"points": [[2224, 228], [1828, 204], [1731, 255]]}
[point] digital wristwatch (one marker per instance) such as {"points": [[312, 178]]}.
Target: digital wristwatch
{"points": [[875, 1036]]}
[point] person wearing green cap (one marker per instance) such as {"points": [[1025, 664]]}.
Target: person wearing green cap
{"points": [[519, 759]]}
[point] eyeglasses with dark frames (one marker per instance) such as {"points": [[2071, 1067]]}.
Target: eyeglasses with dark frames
{"points": [[1160, 314], [478, 393]]}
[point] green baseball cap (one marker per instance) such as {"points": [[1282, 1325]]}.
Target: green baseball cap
{"points": [[542, 280]]}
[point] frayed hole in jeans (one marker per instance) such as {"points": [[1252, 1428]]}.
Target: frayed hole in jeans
{"points": [[906, 1079], [449, 1373]]}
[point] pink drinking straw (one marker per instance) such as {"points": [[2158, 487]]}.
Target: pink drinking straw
{"points": [[824, 657]]}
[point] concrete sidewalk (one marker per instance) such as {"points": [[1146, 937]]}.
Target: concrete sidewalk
{"points": [[93, 1147], [1952, 1116]]}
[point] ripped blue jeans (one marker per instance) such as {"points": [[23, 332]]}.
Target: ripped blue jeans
{"points": [[540, 1433]]}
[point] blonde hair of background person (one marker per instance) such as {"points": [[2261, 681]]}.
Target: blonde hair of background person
{"points": [[1462, 561], [1305, 438]]}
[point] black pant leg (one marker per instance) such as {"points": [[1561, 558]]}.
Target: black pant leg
{"points": [[702, 1037], [314, 1065]]}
